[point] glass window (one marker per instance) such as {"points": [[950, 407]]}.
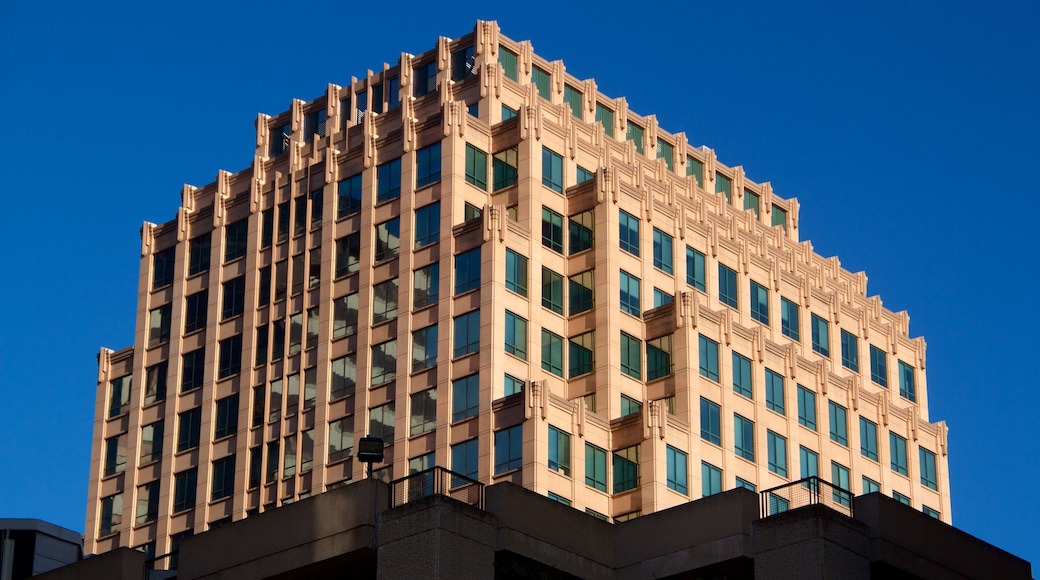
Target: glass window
{"points": [[900, 498], [711, 422], [467, 334], [504, 169], [605, 116], [234, 292], [266, 228], [634, 133], [552, 352], [582, 288], [541, 81], [147, 503], [151, 442], [424, 348], [927, 459], [300, 215], [344, 316], [806, 407], [427, 224], [508, 60], [695, 275], [223, 484], [626, 469], [870, 486], [341, 438], [348, 196], [585, 175], [314, 124], [658, 357], [155, 384], [744, 437], [628, 232], [629, 406], [711, 479], [348, 255], [742, 376], [163, 268], [675, 462], [344, 376], [595, 467], [427, 285], [777, 452], [751, 202], [384, 362], [897, 449], [779, 218], [476, 167], [838, 422], [759, 303], [666, 151], [115, 455], [906, 382], [582, 357], [878, 366], [840, 479], [572, 97], [727, 286], [745, 484], [230, 356], [552, 230], [552, 170], [581, 228], [849, 351], [809, 463], [709, 357], [930, 512], [236, 237], [516, 274], [724, 186], [512, 386], [283, 222], [661, 297], [789, 318], [227, 417], [774, 391], [463, 63], [381, 422], [820, 336], [184, 487], [662, 251], [631, 356], [508, 113], [464, 458], [509, 449], [471, 212], [559, 451], [388, 239], [424, 79], [189, 429], [630, 294], [696, 169], [317, 206], [467, 271], [384, 301], [868, 442], [159, 324], [516, 335], [198, 254], [193, 366], [423, 416]]}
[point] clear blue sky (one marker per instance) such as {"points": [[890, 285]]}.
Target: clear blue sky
{"points": [[907, 130]]}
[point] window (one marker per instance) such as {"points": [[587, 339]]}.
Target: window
{"points": [[711, 422], [744, 437], [742, 377], [573, 99], [581, 226], [789, 318], [464, 458], [508, 61], [118, 396], [427, 165], [878, 366], [384, 301], [317, 206], [516, 275], [628, 232], [300, 215], [155, 383], [289, 457], [163, 264], [868, 443], [467, 334], [870, 486], [348, 196], [344, 376], [779, 218], [658, 357], [820, 338], [840, 479], [631, 356], [930, 512], [759, 303], [424, 79], [634, 133], [509, 449], [585, 175], [629, 406], [223, 478], [115, 455], [266, 228], [552, 230], [512, 386], [272, 460], [849, 351], [582, 357], [662, 251], [189, 429], [900, 498], [552, 170], [839, 426], [806, 407], [711, 479], [476, 167], [427, 225], [384, 362], [281, 279], [582, 288], [159, 324], [809, 463], [471, 212], [774, 391], [314, 124], [516, 335], [111, 514], [227, 417], [508, 113], [230, 356], [777, 452], [344, 315], [541, 79], [341, 438], [897, 449], [348, 255], [465, 397], [695, 269], [709, 357], [467, 271], [234, 298], [661, 297], [552, 352], [666, 151], [675, 462], [424, 348], [198, 254], [184, 486], [192, 370], [424, 412], [236, 236], [559, 451], [388, 239], [147, 503], [723, 185], [283, 222], [696, 169], [745, 484], [151, 442], [503, 169], [381, 422], [605, 117], [906, 382], [427, 286], [313, 325], [927, 459], [727, 286], [630, 294], [626, 469], [306, 450], [595, 467]]}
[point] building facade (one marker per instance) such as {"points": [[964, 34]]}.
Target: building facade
{"points": [[499, 270]]}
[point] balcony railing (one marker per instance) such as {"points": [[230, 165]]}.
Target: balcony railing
{"points": [[808, 491], [436, 481]]}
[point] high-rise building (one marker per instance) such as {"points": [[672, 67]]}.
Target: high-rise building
{"points": [[498, 270]]}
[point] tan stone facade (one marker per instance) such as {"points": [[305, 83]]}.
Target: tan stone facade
{"points": [[288, 308]]}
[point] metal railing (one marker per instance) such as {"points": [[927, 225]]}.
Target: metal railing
{"points": [[161, 567], [808, 491], [436, 481]]}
